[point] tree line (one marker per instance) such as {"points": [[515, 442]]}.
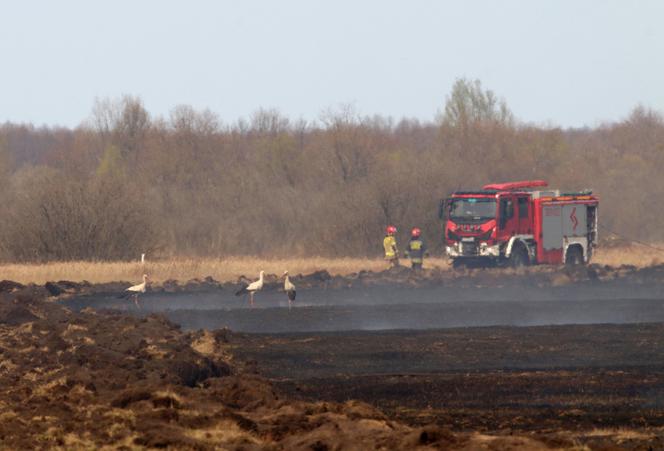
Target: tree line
{"points": [[125, 182]]}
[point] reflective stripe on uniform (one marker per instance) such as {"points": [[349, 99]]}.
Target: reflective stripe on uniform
{"points": [[415, 250], [389, 244]]}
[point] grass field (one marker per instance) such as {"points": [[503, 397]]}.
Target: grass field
{"points": [[229, 269], [637, 255], [225, 269]]}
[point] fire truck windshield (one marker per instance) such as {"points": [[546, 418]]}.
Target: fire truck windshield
{"points": [[472, 209]]}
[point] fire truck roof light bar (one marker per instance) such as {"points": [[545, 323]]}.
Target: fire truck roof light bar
{"points": [[475, 193], [510, 186]]}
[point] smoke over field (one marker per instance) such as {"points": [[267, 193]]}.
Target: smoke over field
{"points": [[401, 299]]}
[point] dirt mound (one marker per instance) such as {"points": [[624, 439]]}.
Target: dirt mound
{"points": [[15, 314], [68, 379], [404, 276], [65, 286], [7, 286], [94, 379], [541, 276], [464, 277]]}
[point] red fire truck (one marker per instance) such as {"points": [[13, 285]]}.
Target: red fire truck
{"points": [[520, 223]]}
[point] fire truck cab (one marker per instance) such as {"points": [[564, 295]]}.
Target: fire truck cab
{"points": [[520, 223]]}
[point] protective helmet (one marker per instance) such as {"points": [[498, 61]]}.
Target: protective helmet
{"points": [[416, 232], [391, 230]]}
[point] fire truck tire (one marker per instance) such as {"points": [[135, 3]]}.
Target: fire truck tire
{"points": [[519, 256], [574, 256]]}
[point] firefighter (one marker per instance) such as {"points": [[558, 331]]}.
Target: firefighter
{"points": [[390, 246], [416, 249]]}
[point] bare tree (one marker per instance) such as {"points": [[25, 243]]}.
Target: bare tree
{"points": [[124, 123], [188, 185], [469, 104]]}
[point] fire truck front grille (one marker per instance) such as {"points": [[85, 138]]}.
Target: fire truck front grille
{"points": [[468, 248]]}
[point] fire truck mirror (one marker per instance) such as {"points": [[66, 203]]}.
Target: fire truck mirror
{"points": [[442, 209]]}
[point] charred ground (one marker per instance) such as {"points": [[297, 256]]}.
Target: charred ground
{"points": [[403, 299], [506, 379], [86, 380], [78, 377]]}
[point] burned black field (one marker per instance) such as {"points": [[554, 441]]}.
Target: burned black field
{"points": [[402, 299], [486, 379], [537, 359]]}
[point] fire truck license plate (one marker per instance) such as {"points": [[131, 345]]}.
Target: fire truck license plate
{"points": [[468, 239]]}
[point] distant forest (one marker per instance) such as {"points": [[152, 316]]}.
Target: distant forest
{"points": [[125, 182]]}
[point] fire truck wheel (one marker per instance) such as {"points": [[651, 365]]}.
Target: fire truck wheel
{"points": [[519, 256], [574, 256]]}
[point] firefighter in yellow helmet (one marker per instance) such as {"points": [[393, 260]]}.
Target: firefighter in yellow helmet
{"points": [[390, 246], [416, 249]]}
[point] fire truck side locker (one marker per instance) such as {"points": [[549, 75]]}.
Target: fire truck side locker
{"points": [[550, 245], [564, 226]]}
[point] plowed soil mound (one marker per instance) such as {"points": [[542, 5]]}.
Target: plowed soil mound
{"points": [[534, 276], [86, 380]]}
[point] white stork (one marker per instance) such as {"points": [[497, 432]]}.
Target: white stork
{"points": [[289, 288], [252, 288], [140, 288]]}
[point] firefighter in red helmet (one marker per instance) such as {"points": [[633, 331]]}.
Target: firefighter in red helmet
{"points": [[416, 249], [390, 246]]}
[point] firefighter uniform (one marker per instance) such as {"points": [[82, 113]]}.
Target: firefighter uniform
{"points": [[391, 252], [415, 251]]}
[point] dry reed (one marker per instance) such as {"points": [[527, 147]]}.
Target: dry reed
{"points": [[229, 269], [637, 255]]}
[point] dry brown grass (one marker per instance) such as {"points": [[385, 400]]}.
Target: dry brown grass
{"points": [[637, 255], [621, 434], [228, 269]]}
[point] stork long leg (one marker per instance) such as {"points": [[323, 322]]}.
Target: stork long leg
{"points": [[251, 299], [136, 301]]}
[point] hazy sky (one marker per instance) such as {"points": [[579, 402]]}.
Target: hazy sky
{"points": [[569, 63]]}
